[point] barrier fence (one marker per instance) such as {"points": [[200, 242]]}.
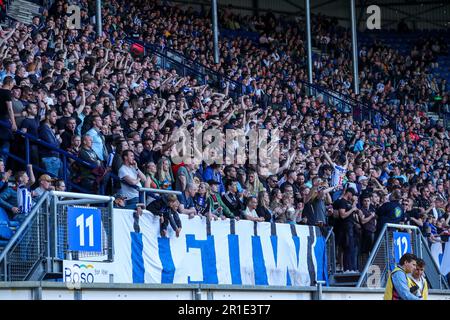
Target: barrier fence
{"points": [[42, 240], [393, 241]]}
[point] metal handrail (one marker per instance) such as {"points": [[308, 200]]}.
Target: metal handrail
{"points": [[75, 195], [162, 191], [378, 242], [376, 245], [154, 49], [343, 98], [47, 145], [24, 225], [428, 250], [143, 192]]}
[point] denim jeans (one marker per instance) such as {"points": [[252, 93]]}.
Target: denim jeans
{"points": [[52, 165], [350, 248], [131, 203]]}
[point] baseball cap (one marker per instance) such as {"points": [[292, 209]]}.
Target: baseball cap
{"points": [[119, 196], [46, 177]]}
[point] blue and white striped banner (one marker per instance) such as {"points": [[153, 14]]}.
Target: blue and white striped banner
{"points": [[217, 252], [441, 254]]}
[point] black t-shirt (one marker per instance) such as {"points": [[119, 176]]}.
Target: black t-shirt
{"points": [[5, 96], [414, 213], [347, 205], [32, 126], [423, 203]]}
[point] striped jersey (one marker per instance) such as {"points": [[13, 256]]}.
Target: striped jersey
{"points": [[24, 202], [338, 176]]}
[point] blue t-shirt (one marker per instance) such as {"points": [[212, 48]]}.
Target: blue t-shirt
{"points": [[186, 201]]}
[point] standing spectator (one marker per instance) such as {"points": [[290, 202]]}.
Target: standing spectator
{"points": [[315, 209], [60, 185], [68, 133], [98, 140], [347, 208], [30, 125], [50, 158], [390, 212], [45, 184], [24, 199], [150, 173], [164, 174], [212, 172], [130, 179], [86, 176], [7, 116], [369, 225], [185, 175]]}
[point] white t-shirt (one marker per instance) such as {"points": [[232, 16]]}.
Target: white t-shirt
{"points": [[420, 283], [251, 213], [126, 190]]}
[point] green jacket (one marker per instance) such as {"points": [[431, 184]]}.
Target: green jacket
{"points": [[217, 202]]}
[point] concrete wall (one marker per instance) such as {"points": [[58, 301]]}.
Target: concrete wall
{"points": [[58, 291]]}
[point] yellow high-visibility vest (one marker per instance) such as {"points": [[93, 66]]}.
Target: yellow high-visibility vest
{"points": [[424, 292], [391, 293]]}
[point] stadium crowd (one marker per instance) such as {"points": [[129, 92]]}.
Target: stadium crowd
{"points": [[91, 97]]}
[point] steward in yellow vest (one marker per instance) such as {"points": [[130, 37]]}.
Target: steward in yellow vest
{"points": [[399, 285], [419, 280]]}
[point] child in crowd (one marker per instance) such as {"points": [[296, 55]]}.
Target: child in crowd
{"points": [[24, 182], [170, 215]]}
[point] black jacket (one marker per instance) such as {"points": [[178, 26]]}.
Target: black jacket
{"points": [[233, 203]]}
